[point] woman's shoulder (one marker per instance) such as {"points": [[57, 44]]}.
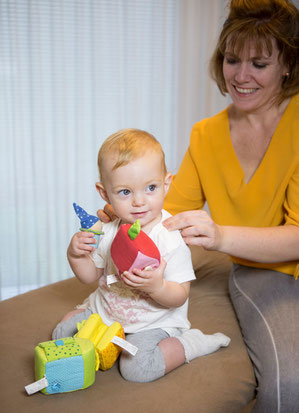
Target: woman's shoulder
{"points": [[294, 104], [289, 124], [210, 127], [295, 99], [210, 120]]}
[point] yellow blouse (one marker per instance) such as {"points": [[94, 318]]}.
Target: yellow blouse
{"points": [[210, 171]]}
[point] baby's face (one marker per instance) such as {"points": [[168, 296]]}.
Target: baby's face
{"points": [[137, 190]]}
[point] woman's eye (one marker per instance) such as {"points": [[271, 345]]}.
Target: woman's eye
{"points": [[230, 60], [151, 188], [259, 65], [124, 192]]}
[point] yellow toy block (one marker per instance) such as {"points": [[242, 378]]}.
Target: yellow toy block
{"points": [[101, 335]]}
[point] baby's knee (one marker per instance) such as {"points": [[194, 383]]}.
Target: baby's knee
{"points": [[142, 368], [72, 314], [68, 325], [129, 369]]}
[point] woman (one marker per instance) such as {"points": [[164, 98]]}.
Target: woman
{"points": [[244, 162]]}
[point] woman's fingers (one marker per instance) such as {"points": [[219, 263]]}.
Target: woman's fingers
{"points": [[197, 228], [196, 231], [185, 219]]}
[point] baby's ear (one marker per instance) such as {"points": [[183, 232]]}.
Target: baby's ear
{"points": [[167, 181], [102, 191]]}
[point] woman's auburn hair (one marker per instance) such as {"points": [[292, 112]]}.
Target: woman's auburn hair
{"points": [[261, 22]]}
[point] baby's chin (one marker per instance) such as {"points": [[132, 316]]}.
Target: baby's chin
{"points": [[146, 219]]}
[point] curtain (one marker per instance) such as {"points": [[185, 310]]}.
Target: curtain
{"points": [[198, 97], [71, 73]]}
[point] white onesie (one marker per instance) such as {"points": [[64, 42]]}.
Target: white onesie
{"points": [[135, 310]]}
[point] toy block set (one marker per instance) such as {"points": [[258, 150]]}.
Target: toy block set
{"points": [[70, 363]]}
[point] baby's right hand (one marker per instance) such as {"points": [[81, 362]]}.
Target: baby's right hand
{"points": [[81, 244]]}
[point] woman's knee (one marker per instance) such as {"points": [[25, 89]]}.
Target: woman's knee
{"points": [[270, 335], [277, 395]]}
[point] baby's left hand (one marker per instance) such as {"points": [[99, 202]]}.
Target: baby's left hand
{"points": [[148, 281]]}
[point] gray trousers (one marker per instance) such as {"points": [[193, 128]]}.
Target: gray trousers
{"points": [[147, 365], [267, 306]]}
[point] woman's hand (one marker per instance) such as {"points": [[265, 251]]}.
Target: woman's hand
{"points": [[197, 228], [107, 214], [266, 245]]}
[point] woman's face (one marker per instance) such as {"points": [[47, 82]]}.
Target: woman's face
{"points": [[253, 79]]}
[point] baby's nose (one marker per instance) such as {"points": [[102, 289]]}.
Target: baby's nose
{"points": [[138, 199]]}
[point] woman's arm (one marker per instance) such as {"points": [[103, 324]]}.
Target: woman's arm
{"points": [[268, 245]]}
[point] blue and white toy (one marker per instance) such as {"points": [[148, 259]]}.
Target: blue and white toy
{"points": [[89, 223]]}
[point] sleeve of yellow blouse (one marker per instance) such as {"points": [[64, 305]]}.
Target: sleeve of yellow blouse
{"points": [[291, 203], [185, 192]]}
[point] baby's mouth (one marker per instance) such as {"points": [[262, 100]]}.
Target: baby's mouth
{"points": [[140, 213]]}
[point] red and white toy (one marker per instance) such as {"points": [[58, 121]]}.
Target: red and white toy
{"points": [[133, 248]]}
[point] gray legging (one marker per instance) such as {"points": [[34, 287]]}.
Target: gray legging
{"points": [[267, 306]]}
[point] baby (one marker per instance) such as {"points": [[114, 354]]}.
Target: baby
{"points": [[150, 304]]}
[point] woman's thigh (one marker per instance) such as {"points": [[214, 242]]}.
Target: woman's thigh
{"points": [[267, 306]]}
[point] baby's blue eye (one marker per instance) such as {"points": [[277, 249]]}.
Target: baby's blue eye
{"points": [[124, 192], [152, 187]]}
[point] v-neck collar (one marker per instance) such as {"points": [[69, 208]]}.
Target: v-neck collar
{"points": [[239, 175]]}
